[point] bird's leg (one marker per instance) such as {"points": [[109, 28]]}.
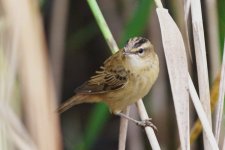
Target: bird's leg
{"points": [[143, 123]]}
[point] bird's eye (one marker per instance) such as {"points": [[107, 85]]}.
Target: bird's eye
{"points": [[141, 51]]}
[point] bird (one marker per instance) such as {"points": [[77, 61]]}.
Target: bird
{"points": [[123, 79]]}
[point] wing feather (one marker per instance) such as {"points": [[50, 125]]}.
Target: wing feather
{"points": [[112, 76]]}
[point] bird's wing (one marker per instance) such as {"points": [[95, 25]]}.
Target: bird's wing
{"points": [[112, 76]]}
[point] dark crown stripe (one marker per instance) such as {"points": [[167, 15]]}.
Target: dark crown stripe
{"points": [[139, 42]]}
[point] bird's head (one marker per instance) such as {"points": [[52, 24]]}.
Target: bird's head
{"points": [[139, 52]]}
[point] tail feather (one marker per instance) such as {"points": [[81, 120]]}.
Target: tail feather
{"points": [[75, 100]]}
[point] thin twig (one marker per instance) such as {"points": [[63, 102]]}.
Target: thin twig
{"points": [[149, 131]]}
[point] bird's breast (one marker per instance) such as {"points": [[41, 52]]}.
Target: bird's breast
{"points": [[137, 87]]}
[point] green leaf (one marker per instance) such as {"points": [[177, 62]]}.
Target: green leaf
{"points": [[221, 14]]}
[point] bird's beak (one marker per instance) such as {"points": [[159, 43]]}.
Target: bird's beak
{"points": [[127, 53]]}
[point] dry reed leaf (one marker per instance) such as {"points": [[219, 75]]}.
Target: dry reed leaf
{"points": [[178, 72], [214, 92], [220, 104], [202, 69], [13, 128], [40, 103], [18, 132], [202, 116]]}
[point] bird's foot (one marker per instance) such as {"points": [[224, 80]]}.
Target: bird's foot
{"points": [[143, 123], [147, 123]]}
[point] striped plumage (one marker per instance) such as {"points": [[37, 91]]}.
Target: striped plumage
{"points": [[124, 78]]}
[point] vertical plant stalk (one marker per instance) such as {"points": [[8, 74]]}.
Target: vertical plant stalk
{"points": [[123, 131], [134, 131], [57, 40], [103, 25], [220, 104], [113, 46], [202, 69], [187, 5], [39, 103], [158, 3], [213, 36]]}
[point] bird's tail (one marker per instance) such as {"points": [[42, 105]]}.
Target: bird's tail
{"points": [[75, 100]]}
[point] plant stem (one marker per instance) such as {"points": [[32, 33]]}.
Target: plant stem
{"points": [[103, 25]]}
